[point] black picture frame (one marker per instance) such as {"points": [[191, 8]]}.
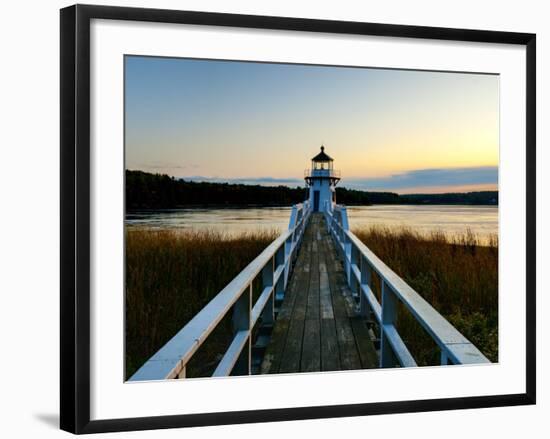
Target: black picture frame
{"points": [[75, 217]]}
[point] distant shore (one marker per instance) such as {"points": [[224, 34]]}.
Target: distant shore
{"points": [[145, 191], [261, 206]]}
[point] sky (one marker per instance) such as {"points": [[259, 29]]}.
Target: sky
{"points": [[261, 123]]}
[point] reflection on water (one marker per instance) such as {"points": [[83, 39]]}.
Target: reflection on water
{"points": [[232, 221], [482, 220]]}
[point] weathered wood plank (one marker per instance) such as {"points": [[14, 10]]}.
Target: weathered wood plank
{"points": [[339, 305], [312, 310], [301, 297], [298, 284], [324, 292], [343, 302], [290, 361], [367, 353], [311, 347], [334, 276], [274, 351], [333, 257], [349, 357], [330, 355]]}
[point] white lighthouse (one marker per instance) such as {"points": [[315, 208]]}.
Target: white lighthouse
{"points": [[321, 180]]}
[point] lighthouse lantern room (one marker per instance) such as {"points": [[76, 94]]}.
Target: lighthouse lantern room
{"points": [[321, 180]]}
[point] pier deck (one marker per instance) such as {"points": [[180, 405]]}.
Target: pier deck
{"points": [[317, 327]]}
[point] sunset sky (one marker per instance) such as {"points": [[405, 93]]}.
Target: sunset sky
{"points": [[260, 123]]}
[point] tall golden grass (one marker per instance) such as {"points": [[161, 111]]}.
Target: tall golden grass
{"points": [[457, 275], [170, 276]]}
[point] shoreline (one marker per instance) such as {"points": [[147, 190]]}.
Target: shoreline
{"points": [[267, 206]]}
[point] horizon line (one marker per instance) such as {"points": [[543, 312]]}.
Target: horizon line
{"points": [[299, 184]]}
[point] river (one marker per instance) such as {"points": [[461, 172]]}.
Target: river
{"points": [[482, 220]]}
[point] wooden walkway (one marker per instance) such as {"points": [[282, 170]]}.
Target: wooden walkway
{"points": [[317, 327]]}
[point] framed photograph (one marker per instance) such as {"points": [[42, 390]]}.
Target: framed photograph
{"points": [[268, 218]]}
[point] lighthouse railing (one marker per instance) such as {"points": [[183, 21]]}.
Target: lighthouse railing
{"points": [[272, 267], [360, 265], [335, 173]]}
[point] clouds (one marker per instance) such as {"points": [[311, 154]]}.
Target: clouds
{"points": [[462, 179], [164, 167], [425, 178]]}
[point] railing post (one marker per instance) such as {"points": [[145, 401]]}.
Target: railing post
{"points": [[294, 225], [345, 240], [293, 217], [354, 283], [281, 283], [336, 233], [444, 358], [268, 314], [182, 374], [389, 316], [347, 258], [340, 230], [241, 322], [287, 258], [364, 308]]}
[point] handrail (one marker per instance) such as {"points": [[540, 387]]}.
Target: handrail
{"points": [[274, 264], [359, 260], [312, 173]]}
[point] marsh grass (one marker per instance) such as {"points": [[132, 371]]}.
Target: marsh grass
{"points": [[457, 275], [171, 276]]}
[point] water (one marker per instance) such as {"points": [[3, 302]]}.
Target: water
{"points": [[482, 220], [232, 221], [452, 220]]}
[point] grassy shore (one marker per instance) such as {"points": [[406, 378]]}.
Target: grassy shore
{"points": [[456, 275], [170, 276]]}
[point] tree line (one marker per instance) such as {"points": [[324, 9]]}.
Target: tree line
{"points": [[159, 191]]}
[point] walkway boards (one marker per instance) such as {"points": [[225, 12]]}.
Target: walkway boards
{"points": [[317, 328]]}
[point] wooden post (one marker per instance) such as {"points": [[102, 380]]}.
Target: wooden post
{"points": [[389, 316], [279, 262], [347, 258], [268, 314], [354, 283], [287, 259], [346, 242], [295, 216], [364, 308], [241, 322], [341, 228]]}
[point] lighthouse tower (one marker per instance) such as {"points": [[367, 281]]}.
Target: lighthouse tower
{"points": [[321, 180]]}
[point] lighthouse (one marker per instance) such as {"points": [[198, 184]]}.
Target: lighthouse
{"points": [[321, 180]]}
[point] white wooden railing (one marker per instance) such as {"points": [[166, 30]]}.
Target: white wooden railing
{"points": [[322, 173], [359, 263], [274, 265]]}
